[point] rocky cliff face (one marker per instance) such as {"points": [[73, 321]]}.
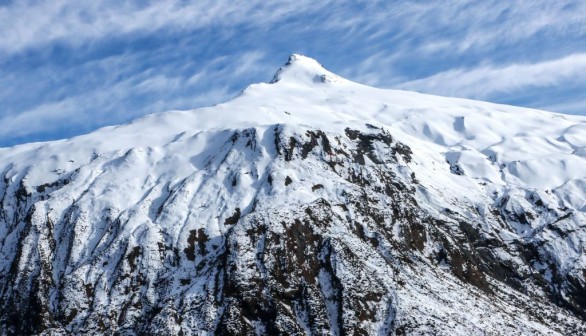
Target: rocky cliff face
{"points": [[311, 214]]}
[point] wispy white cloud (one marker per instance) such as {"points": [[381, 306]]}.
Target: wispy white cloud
{"points": [[102, 105], [478, 24], [31, 24], [486, 81], [454, 46], [202, 52]]}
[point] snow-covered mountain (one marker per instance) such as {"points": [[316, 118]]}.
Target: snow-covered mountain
{"points": [[310, 205]]}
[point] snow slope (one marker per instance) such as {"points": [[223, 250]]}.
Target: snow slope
{"points": [[535, 143], [309, 205]]}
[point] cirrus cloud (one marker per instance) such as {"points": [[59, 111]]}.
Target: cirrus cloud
{"points": [[69, 67]]}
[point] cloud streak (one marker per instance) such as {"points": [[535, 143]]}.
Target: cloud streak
{"points": [[487, 81], [113, 99], [68, 67], [33, 24]]}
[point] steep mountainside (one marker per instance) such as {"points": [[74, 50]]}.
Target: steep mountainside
{"points": [[311, 205]]}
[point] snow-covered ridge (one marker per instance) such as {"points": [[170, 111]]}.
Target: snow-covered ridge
{"points": [[392, 212], [498, 143]]}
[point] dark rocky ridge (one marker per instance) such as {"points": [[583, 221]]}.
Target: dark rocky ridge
{"points": [[339, 265]]}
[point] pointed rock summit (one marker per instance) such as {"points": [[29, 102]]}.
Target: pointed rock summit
{"points": [[304, 70]]}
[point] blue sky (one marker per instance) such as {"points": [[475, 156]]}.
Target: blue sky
{"points": [[69, 67]]}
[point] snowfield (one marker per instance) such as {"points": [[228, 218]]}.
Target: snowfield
{"points": [[310, 205]]}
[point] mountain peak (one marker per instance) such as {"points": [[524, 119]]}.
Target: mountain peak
{"points": [[301, 59], [323, 205], [304, 70]]}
